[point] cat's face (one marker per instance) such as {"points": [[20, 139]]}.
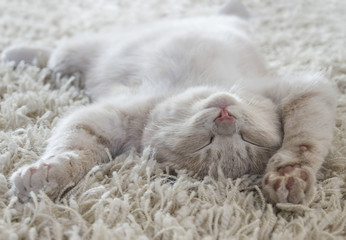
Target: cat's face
{"points": [[203, 129]]}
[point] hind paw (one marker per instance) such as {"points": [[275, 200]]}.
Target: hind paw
{"points": [[36, 56]]}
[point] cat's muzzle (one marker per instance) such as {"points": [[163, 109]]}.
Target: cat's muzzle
{"points": [[225, 123]]}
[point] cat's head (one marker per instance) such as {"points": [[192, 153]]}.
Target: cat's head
{"points": [[204, 129]]}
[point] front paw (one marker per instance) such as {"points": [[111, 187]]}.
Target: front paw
{"points": [[289, 184], [37, 177]]}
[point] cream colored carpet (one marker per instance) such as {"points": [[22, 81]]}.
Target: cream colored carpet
{"points": [[130, 198]]}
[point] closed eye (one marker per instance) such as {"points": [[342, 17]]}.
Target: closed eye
{"points": [[252, 143], [210, 142]]}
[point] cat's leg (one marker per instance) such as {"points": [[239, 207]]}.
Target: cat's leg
{"points": [[71, 56], [308, 112], [77, 144], [75, 55]]}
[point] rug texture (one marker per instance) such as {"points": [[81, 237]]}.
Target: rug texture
{"points": [[130, 198]]}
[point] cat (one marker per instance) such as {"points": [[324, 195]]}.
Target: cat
{"points": [[199, 93]]}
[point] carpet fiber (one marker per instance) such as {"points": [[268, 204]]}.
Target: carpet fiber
{"points": [[130, 198]]}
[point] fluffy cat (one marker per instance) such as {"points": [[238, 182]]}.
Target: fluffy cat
{"points": [[199, 93]]}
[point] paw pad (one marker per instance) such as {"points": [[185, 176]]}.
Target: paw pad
{"points": [[303, 148], [35, 178], [287, 184]]}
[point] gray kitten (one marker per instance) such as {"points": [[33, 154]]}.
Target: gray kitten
{"points": [[199, 93]]}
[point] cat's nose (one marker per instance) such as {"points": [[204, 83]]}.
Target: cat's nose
{"points": [[225, 123], [225, 117]]}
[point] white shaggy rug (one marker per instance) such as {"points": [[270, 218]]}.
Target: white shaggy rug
{"points": [[130, 198]]}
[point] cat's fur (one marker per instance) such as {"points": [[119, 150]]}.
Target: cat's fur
{"points": [[197, 91]]}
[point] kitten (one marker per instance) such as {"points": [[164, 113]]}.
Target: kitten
{"points": [[199, 93]]}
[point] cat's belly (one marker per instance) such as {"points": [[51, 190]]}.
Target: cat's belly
{"points": [[205, 51]]}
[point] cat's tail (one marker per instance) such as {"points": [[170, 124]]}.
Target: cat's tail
{"points": [[235, 8]]}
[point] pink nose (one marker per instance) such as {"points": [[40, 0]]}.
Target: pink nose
{"points": [[225, 116]]}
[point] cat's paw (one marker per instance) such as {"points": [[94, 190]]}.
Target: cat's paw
{"points": [[37, 56], [36, 177], [288, 184]]}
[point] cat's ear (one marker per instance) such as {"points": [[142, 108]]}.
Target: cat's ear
{"points": [[236, 8]]}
